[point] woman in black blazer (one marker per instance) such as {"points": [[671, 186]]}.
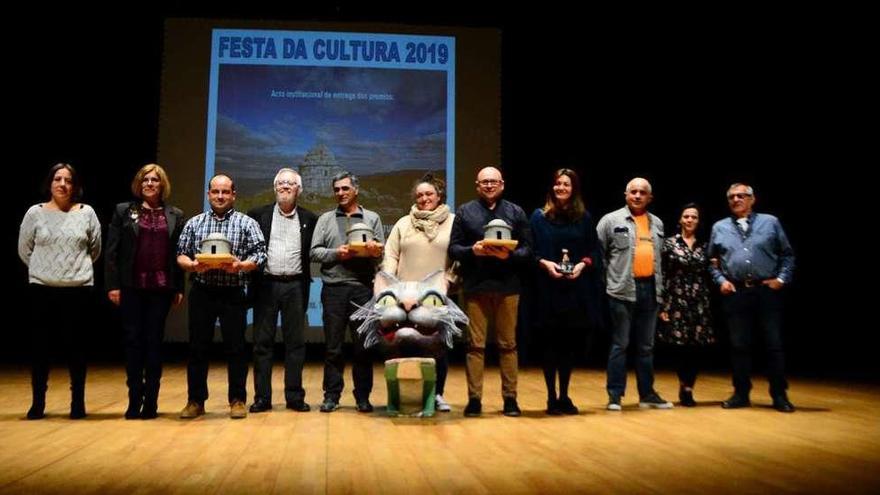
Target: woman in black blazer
{"points": [[143, 279]]}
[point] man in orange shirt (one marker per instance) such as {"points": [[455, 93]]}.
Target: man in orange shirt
{"points": [[631, 239]]}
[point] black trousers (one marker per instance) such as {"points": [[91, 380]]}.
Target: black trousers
{"points": [[337, 300], [286, 298], [59, 314], [749, 311], [207, 304], [143, 315]]}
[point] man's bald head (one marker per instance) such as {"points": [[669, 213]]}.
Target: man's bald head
{"points": [[490, 185], [638, 195]]}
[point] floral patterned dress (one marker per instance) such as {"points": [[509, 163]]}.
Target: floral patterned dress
{"points": [[686, 298]]}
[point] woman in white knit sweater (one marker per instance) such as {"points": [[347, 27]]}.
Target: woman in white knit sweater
{"points": [[417, 247], [59, 240]]}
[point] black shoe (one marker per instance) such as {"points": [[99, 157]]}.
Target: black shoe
{"points": [[614, 403], [567, 407], [77, 410], [474, 408], [260, 405], [686, 398], [134, 409], [149, 412], [37, 411], [654, 401], [329, 405], [364, 406], [736, 401], [150, 409], [553, 407], [511, 408], [298, 405], [782, 404]]}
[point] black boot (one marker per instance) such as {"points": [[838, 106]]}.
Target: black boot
{"points": [[150, 409], [77, 401], [134, 408], [38, 406], [39, 384], [686, 397], [77, 409], [567, 407]]}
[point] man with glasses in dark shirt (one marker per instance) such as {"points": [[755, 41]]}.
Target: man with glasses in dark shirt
{"points": [[491, 284], [752, 261]]}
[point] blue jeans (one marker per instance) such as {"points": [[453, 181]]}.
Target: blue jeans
{"points": [[637, 321]]}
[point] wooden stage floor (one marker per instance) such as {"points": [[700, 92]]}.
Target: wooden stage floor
{"points": [[830, 445]]}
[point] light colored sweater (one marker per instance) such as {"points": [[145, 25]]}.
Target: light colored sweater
{"points": [[410, 256], [59, 247]]}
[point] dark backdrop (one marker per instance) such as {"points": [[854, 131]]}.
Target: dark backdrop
{"points": [[690, 100]]}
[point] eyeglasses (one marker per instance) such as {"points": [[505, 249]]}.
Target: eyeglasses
{"points": [[342, 188], [490, 182], [739, 196], [285, 182], [151, 179]]}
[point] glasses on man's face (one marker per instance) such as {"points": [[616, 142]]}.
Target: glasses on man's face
{"points": [[490, 182], [342, 188], [285, 182], [738, 196]]}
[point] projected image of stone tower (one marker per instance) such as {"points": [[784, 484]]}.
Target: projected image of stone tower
{"points": [[318, 166]]}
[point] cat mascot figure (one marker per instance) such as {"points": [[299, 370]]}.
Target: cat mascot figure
{"points": [[412, 322]]}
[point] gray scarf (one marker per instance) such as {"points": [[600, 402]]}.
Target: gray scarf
{"points": [[428, 221]]}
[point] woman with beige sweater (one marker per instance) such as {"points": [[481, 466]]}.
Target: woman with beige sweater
{"points": [[58, 241], [417, 247]]}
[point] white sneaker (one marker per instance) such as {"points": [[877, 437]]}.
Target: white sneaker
{"points": [[440, 404], [613, 403]]}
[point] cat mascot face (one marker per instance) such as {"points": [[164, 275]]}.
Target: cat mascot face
{"points": [[410, 318]]}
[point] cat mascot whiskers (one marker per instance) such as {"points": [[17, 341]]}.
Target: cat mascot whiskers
{"points": [[410, 318]]}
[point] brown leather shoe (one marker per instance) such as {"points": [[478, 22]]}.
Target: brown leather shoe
{"points": [[192, 410], [237, 410]]}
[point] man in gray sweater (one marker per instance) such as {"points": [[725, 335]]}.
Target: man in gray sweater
{"points": [[347, 279]]}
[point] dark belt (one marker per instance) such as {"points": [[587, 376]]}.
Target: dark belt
{"points": [[283, 278], [746, 284]]}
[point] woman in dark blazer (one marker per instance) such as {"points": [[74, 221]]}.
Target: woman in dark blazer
{"points": [[143, 279]]}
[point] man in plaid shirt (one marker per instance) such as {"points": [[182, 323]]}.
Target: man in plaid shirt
{"points": [[219, 292]]}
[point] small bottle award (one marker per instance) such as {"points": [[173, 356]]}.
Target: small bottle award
{"points": [[566, 267]]}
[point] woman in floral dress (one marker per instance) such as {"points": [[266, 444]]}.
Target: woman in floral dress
{"points": [[686, 318]]}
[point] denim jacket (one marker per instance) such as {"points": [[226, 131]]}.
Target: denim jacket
{"points": [[617, 236]]}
